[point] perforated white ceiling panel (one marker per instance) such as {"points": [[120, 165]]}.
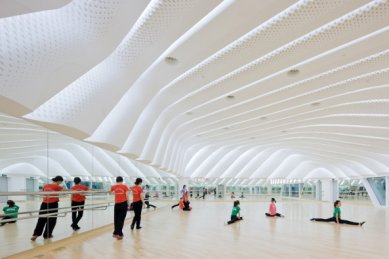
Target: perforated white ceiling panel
{"points": [[214, 89]]}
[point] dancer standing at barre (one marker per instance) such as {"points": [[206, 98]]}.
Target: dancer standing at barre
{"points": [[78, 201], [48, 206], [137, 202], [336, 217], [122, 202]]}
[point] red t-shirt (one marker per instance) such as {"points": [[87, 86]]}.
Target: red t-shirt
{"points": [[120, 192], [51, 187], [79, 197], [136, 192]]}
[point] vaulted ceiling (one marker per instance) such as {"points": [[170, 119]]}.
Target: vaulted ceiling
{"points": [[215, 89]]}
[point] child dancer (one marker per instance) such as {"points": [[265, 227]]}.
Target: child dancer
{"points": [[11, 212], [235, 214], [336, 217], [273, 209]]}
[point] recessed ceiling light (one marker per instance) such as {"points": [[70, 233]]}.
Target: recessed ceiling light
{"points": [[226, 128], [315, 104], [230, 97], [284, 131], [263, 118], [293, 72], [198, 135], [189, 113], [252, 138], [171, 60]]}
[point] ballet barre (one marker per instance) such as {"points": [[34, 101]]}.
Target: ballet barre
{"points": [[100, 206], [47, 194]]}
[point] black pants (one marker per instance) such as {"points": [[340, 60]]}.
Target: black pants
{"points": [[6, 217], [119, 215], [138, 212], [175, 205], [148, 204], [234, 219], [275, 215], [333, 219], [77, 215], [46, 223]]}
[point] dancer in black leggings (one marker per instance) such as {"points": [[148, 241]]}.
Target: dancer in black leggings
{"points": [[138, 202], [147, 197], [273, 209], [49, 205], [235, 214], [78, 202], [336, 217], [122, 202]]}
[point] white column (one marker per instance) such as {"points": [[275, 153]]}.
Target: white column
{"points": [[330, 190], [387, 191], [319, 190]]}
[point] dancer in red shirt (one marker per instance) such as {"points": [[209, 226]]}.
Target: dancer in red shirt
{"points": [[48, 206], [137, 203], [78, 201], [122, 202]]}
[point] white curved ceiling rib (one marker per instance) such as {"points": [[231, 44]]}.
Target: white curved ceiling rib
{"points": [[30, 150], [239, 90]]}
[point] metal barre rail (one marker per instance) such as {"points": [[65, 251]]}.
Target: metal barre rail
{"points": [[56, 214], [51, 193], [61, 208]]}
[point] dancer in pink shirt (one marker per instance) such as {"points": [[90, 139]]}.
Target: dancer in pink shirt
{"points": [[273, 209]]}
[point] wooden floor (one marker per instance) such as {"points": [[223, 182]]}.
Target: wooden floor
{"points": [[201, 233]]}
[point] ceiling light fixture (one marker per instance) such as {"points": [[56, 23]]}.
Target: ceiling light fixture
{"points": [[230, 97], [293, 72], [171, 60], [189, 113], [315, 104]]}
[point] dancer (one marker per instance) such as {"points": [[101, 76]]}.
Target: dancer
{"points": [[138, 202], [49, 206], [235, 214], [78, 201], [336, 217], [204, 193], [11, 212], [122, 202], [147, 197], [232, 195], [273, 209], [184, 191]]}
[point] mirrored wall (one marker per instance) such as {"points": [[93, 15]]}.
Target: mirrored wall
{"points": [[31, 155]]}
